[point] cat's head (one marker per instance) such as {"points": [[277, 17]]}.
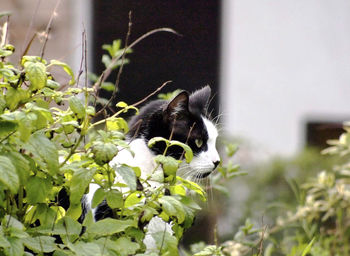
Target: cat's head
{"points": [[184, 118]]}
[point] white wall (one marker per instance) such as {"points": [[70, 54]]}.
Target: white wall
{"points": [[284, 61]]}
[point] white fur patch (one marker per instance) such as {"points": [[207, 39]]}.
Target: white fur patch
{"points": [[143, 158], [204, 161]]}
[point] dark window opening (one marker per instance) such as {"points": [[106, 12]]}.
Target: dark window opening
{"points": [[318, 133], [191, 61]]}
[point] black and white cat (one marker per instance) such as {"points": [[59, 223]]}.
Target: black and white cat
{"points": [[184, 118]]}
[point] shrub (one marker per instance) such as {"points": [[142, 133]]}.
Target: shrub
{"points": [[49, 144]]}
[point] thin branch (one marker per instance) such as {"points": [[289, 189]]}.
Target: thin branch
{"points": [[151, 33], [80, 72], [48, 29], [30, 28], [120, 68], [105, 74], [188, 136], [151, 94], [85, 68], [261, 242], [28, 45], [7, 136]]}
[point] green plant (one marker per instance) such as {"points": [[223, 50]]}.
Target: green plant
{"points": [[324, 212], [48, 142]]}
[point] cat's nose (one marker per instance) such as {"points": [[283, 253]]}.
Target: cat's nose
{"points": [[216, 163]]}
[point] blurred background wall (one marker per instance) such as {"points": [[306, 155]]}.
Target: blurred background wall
{"points": [[285, 71]]}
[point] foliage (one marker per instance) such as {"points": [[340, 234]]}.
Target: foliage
{"points": [[49, 144]]}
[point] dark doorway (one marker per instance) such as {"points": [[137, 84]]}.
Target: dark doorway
{"points": [[190, 61], [318, 133]]}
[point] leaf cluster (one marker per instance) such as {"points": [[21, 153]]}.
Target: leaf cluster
{"points": [[49, 144]]}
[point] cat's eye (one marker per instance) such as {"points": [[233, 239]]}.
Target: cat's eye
{"points": [[199, 143]]}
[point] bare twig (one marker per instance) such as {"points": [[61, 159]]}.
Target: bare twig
{"points": [[261, 242], [151, 94], [28, 45], [80, 72], [105, 74], [85, 68], [30, 28], [151, 33], [120, 68], [48, 29], [188, 136]]}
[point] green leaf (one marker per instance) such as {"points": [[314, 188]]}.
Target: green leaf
{"points": [[64, 226], [169, 164], [104, 151], [133, 198], [8, 174], [128, 175], [14, 97], [112, 48], [108, 86], [173, 207], [36, 74], [124, 246], [98, 197], [166, 243], [209, 251], [121, 104], [33, 59], [194, 187], [85, 249], [66, 68], [44, 213], [7, 127], [37, 190], [308, 247], [3, 241], [114, 199], [10, 221], [80, 181], [40, 243], [77, 107], [44, 151], [110, 226], [117, 124], [186, 148], [16, 247], [52, 84]]}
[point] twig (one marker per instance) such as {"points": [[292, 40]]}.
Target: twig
{"points": [[30, 28], [151, 33], [151, 94], [48, 29], [80, 72], [261, 242], [28, 45], [105, 74], [7, 136], [188, 136], [86, 68], [120, 69]]}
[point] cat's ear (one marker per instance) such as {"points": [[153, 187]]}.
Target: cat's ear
{"points": [[199, 100], [177, 108]]}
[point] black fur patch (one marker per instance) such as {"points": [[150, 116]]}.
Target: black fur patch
{"points": [[179, 119]]}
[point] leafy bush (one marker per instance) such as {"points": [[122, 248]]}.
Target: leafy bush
{"points": [[49, 144]]}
